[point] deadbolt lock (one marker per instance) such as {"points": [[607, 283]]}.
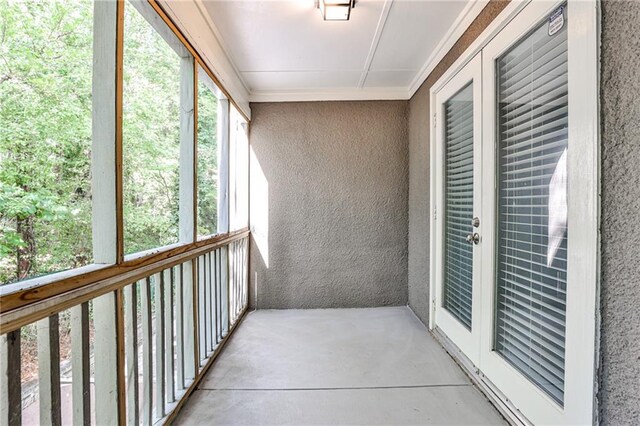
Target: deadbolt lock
{"points": [[475, 222]]}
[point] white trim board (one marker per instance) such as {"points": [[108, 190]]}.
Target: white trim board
{"points": [[346, 94]]}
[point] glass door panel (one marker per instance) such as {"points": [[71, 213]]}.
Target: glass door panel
{"points": [[458, 147]]}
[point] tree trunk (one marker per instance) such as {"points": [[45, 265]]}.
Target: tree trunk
{"points": [[26, 255]]}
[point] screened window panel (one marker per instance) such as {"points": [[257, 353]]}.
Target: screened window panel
{"points": [[532, 207], [458, 254]]}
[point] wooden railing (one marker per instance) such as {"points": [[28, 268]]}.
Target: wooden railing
{"points": [[122, 344]]}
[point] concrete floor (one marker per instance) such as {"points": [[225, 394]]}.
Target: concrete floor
{"points": [[335, 366]]}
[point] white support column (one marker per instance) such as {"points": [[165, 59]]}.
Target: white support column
{"points": [[10, 380], [187, 221], [106, 359], [223, 166], [80, 365], [104, 128]]}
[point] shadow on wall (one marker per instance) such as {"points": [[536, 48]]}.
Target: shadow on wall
{"points": [[329, 204]]}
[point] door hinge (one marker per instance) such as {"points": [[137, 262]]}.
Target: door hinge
{"points": [[433, 305], [434, 121], [435, 214]]}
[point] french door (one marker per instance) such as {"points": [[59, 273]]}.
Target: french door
{"points": [[515, 210], [459, 174]]}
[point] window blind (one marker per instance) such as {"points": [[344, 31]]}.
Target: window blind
{"points": [[532, 211], [458, 254]]}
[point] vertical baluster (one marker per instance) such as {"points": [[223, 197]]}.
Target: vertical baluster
{"points": [[147, 352], [10, 379], [190, 323], [224, 281], [80, 365], [131, 352], [217, 292], [177, 276], [245, 273], [237, 279], [234, 262], [160, 350], [167, 277], [214, 322], [207, 306], [49, 370], [201, 309]]}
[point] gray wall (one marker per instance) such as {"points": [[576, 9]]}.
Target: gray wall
{"points": [[619, 395], [329, 204], [419, 233]]}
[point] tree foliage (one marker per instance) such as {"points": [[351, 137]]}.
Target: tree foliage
{"points": [[46, 55]]}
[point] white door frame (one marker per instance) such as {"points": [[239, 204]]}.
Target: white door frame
{"points": [[583, 216], [467, 341]]}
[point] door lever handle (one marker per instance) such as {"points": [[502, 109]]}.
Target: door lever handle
{"points": [[473, 238]]}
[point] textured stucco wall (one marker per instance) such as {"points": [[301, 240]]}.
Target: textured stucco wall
{"points": [[329, 209], [619, 395], [419, 232]]}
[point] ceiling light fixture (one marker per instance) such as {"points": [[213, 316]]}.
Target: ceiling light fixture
{"points": [[336, 10]]}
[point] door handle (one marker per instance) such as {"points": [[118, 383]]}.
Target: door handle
{"points": [[473, 238]]}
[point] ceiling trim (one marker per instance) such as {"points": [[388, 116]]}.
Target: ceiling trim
{"points": [[471, 10], [386, 8], [345, 94]]}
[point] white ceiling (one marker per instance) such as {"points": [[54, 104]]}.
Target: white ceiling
{"points": [[283, 50]]}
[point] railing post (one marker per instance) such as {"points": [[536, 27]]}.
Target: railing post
{"points": [[160, 350], [49, 370], [167, 277], [80, 365], [190, 321], [131, 330], [147, 352], [10, 379], [109, 369]]}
